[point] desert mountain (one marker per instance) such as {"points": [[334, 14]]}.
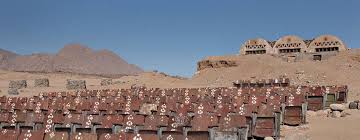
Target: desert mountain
{"points": [[73, 58], [5, 56]]}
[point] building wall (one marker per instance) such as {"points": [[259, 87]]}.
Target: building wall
{"points": [[254, 45], [291, 44], [326, 42]]}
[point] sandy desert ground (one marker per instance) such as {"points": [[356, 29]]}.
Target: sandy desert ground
{"points": [[58, 81], [326, 128], [318, 127]]}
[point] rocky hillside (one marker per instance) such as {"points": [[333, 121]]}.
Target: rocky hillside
{"points": [[5, 56], [342, 69], [72, 58], [215, 64]]}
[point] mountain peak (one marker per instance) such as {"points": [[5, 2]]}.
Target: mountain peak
{"points": [[73, 49], [74, 58]]}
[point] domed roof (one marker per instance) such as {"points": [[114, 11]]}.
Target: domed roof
{"points": [[257, 44], [289, 42], [326, 41]]}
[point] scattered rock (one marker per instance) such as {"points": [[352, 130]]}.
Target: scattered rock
{"points": [[13, 91], [300, 72], [297, 136], [119, 82], [310, 113], [75, 84], [345, 113], [147, 109], [304, 127], [17, 84], [135, 86], [268, 138], [337, 107], [336, 114], [323, 113], [353, 105], [328, 111], [285, 127], [44, 82], [106, 82]]}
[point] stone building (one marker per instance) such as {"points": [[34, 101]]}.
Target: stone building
{"points": [[326, 43], [256, 46], [289, 44], [293, 48]]}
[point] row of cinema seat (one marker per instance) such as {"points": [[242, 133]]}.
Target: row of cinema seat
{"points": [[278, 82], [180, 113], [317, 97]]}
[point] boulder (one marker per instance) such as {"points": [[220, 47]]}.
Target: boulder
{"points": [[75, 84], [105, 82], [13, 91], [337, 107], [215, 64], [336, 114], [323, 113], [17, 84], [345, 113], [146, 109], [353, 105], [268, 138], [44, 82]]}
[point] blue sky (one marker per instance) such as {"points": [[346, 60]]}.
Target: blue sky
{"points": [[170, 36]]}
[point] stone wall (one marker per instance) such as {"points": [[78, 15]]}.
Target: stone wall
{"points": [[44, 82], [105, 82], [13, 91], [75, 84], [18, 84]]}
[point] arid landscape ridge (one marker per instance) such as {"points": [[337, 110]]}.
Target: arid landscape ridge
{"points": [[73, 58]]}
